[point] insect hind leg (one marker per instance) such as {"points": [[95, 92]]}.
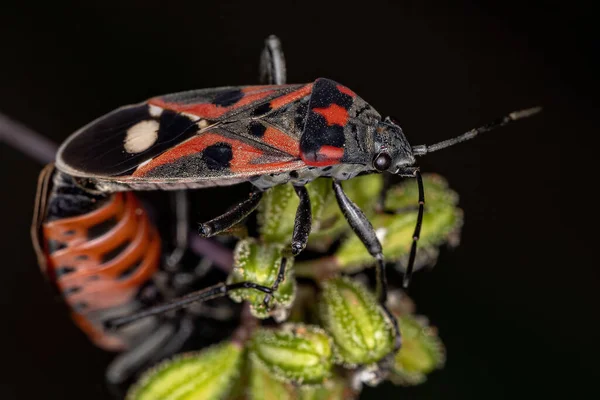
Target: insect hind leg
{"points": [[205, 294], [272, 62]]}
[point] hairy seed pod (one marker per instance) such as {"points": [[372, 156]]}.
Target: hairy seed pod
{"points": [[294, 353], [259, 263], [208, 374], [264, 386], [422, 352], [360, 329], [277, 210], [334, 388]]}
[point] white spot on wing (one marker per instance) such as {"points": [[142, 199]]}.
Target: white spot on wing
{"points": [[202, 123], [141, 136], [154, 111]]}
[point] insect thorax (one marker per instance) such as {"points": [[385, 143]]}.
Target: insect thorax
{"points": [[308, 174]]}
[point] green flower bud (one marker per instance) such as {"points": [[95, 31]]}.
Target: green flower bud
{"points": [[264, 386], [422, 352], [361, 331], [277, 210], [335, 388], [208, 374], [442, 220], [295, 353], [259, 263]]}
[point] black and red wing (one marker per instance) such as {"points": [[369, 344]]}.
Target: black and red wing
{"points": [[157, 138]]}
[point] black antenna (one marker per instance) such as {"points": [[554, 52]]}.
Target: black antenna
{"points": [[513, 116]]}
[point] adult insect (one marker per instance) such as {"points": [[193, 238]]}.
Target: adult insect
{"points": [[267, 135]]}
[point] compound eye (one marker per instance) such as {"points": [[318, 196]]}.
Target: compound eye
{"points": [[382, 162]]}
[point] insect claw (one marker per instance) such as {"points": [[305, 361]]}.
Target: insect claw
{"points": [[297, 248], [205, 230], [266, 301], [406, 280]]}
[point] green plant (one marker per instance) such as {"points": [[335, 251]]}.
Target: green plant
{"points": [[325, 338]]}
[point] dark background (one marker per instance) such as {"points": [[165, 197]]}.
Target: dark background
{"points": [[515, 303]]}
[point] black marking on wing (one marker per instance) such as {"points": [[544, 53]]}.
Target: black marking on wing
{"points": [[257, 129], [218, 156], [228, 98]]}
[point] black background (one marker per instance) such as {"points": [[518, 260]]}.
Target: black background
{"points": [[515, 303]]}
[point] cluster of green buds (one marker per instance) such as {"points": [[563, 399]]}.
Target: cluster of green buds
{"points": [[324, 338]]}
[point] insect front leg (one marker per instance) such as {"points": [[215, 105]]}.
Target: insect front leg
{"points": [[362, 227], [364, 230], [414, 172], [272, 62], [231, 217]]}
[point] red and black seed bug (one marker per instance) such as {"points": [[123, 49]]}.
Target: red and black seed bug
{"points": [[267, 135]]}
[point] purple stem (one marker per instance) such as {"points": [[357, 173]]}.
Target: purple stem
{"points": [[26, 140], [220, 255]]}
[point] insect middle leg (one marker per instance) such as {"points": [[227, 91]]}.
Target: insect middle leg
{"points": [[232, 217], [272, 62]]}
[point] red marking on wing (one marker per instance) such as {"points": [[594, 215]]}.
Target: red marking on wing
{"points": [[345, 90], [203, 110], [291, 97], [252, 97], [274, 137], [212, 111], [327, 155], [245, 156], [334, 114]]}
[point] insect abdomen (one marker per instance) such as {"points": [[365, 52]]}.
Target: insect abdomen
{"points": [[100, 251]]}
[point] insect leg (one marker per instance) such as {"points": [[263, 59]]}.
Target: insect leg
{"points": [[181, 229], [272, 62], [209, 293], [303, 221], [280, 277], [365, 232], [417, 231], [231, 217]]}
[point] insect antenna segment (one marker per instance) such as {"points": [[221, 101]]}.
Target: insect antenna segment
{"points": [[423, 149]]}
